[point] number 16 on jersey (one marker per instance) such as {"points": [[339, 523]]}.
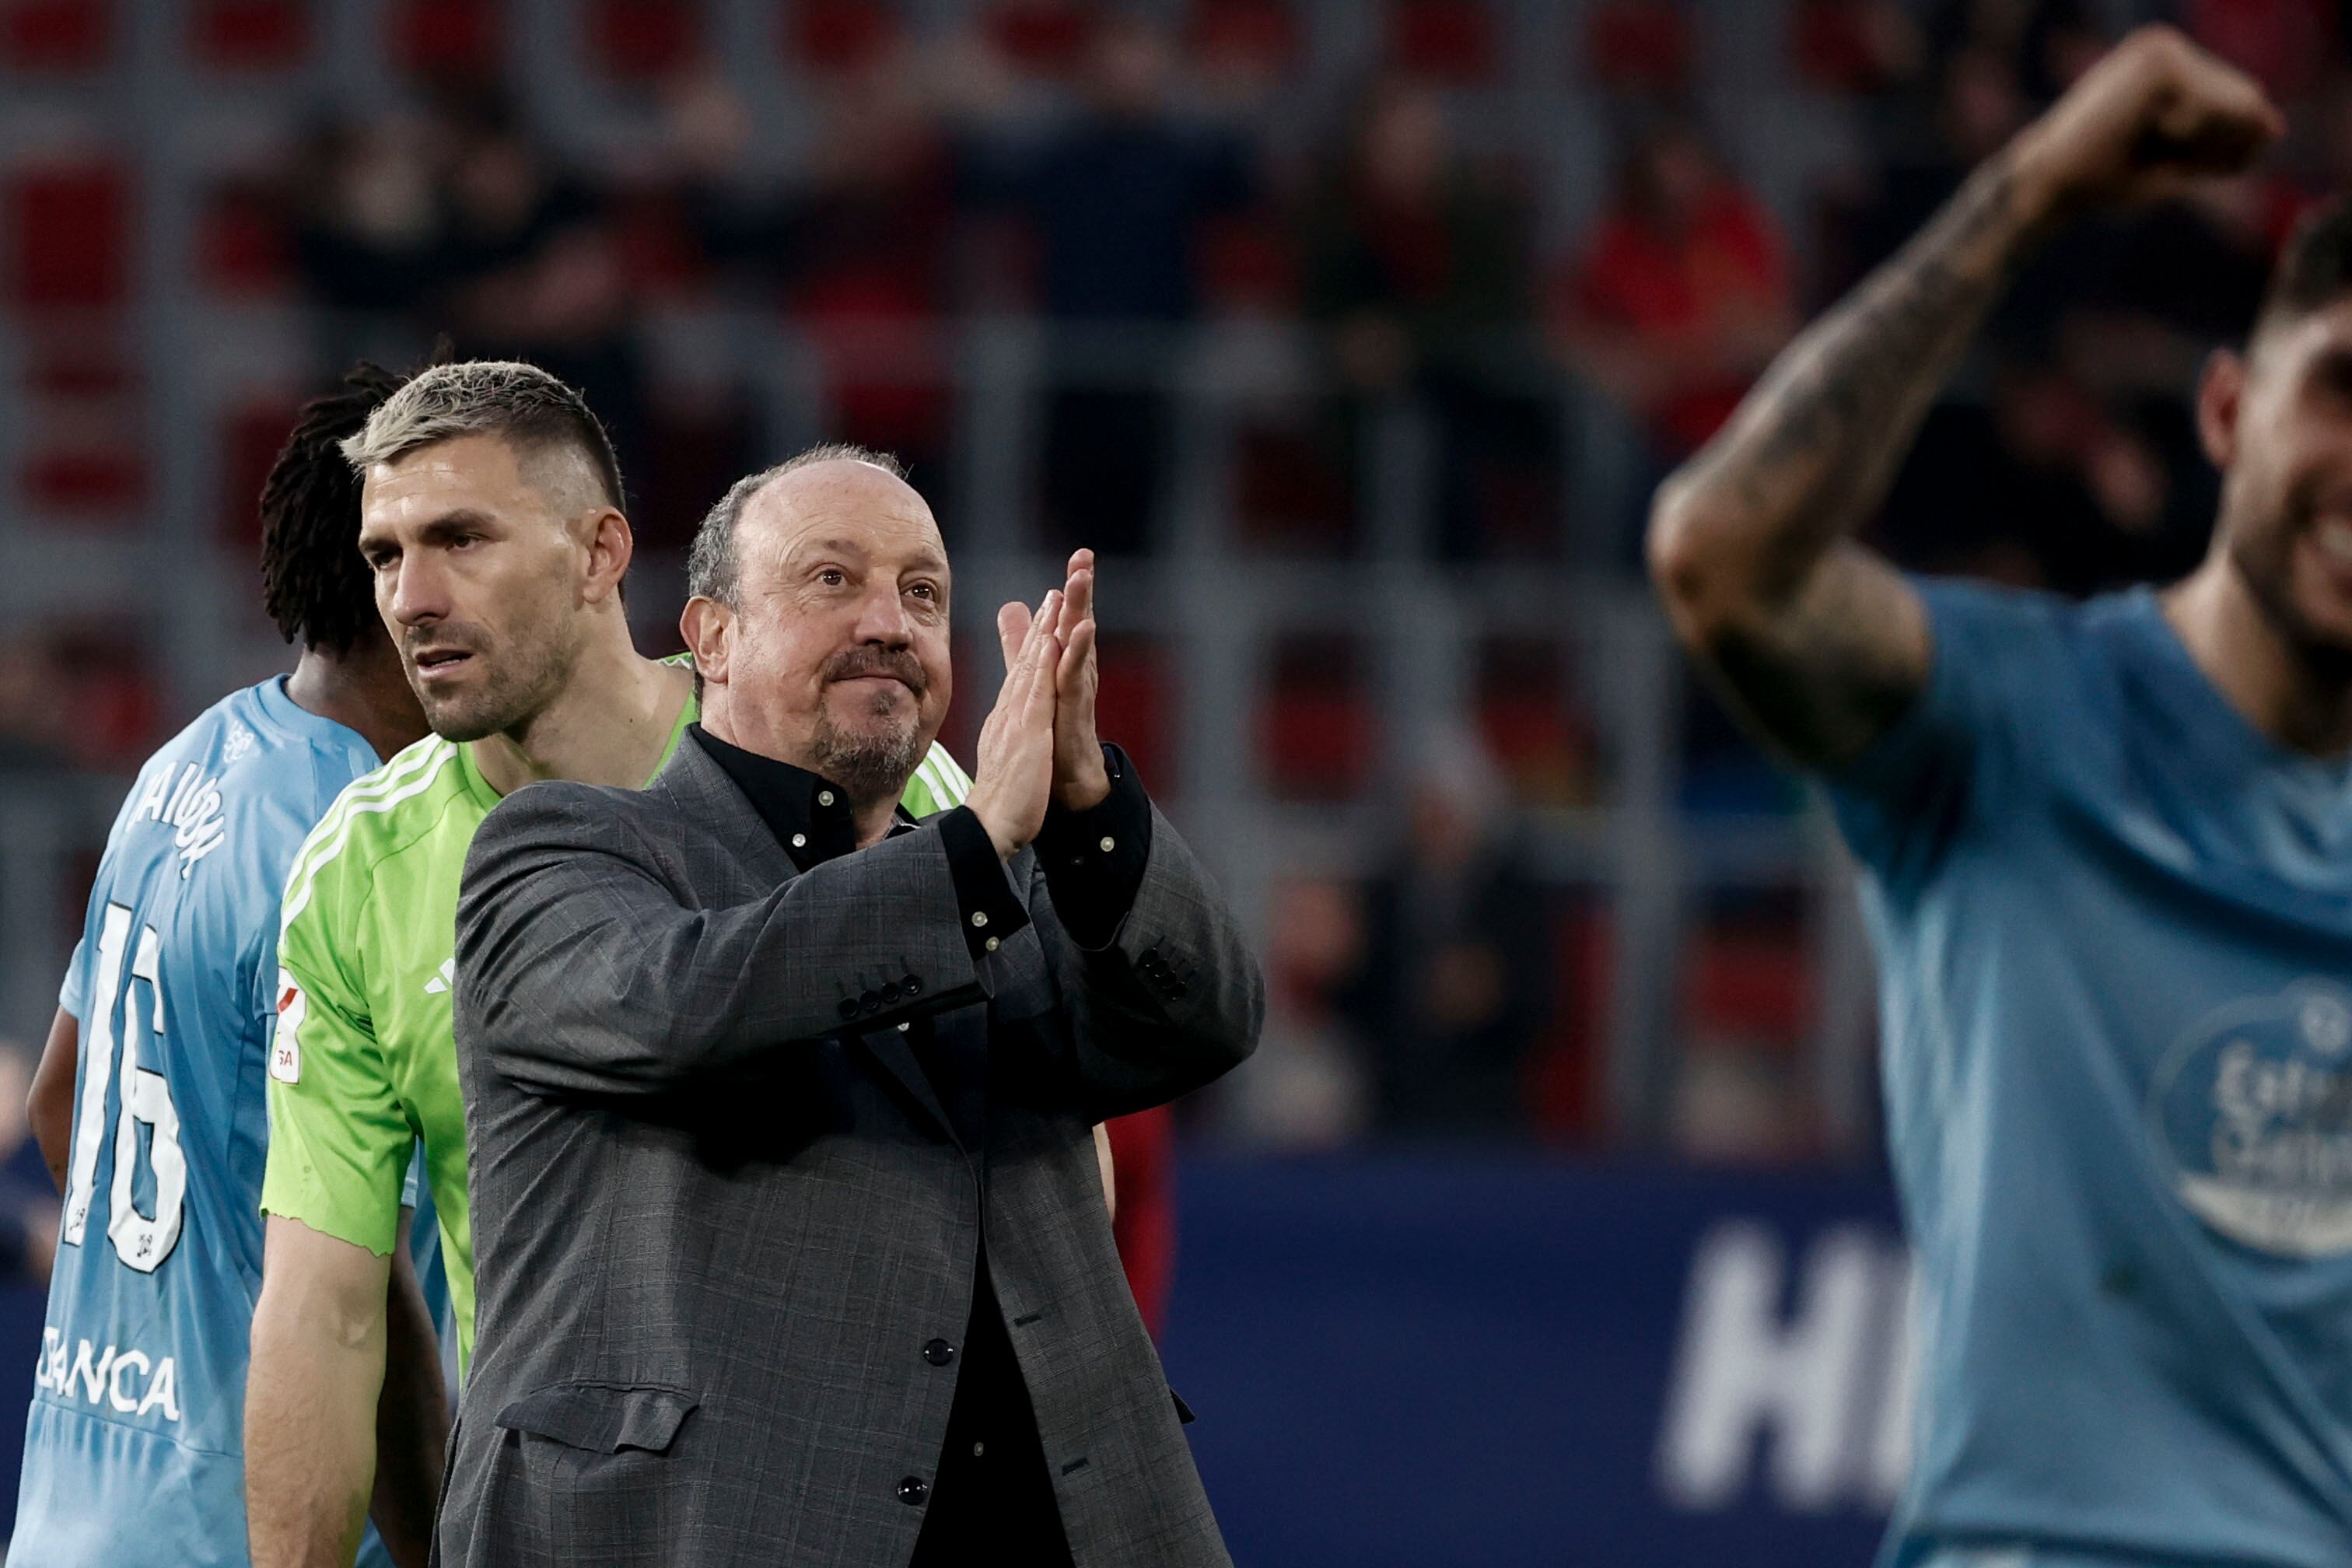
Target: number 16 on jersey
{"points": [[141, 1241]]}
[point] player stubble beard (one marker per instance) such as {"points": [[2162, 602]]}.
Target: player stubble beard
{"points": [[870, 764], [514, 689], [2263, 555]]}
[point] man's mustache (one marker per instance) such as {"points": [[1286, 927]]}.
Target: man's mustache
{"points": [[850, 664]]}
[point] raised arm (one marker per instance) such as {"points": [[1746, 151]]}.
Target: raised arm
{"points": [[1819, 644]]}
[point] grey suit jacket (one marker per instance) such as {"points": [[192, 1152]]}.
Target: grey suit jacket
{"points": [[718, 1211]]}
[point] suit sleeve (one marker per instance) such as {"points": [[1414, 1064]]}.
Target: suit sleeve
{"points": [[582, 971], [1171, 1001]]}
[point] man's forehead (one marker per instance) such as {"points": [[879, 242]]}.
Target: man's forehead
{"points": [[843, 502], [2326, 330], [480, 471]]}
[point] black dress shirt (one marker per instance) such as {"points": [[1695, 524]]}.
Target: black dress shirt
{"points": [[991, 1499]]}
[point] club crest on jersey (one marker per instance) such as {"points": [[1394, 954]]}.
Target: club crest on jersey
{"points": [[285, 1046], [2251, 1113]]}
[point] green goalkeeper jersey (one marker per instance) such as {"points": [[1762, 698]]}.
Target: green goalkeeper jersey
{"points": [[364, 1059]]}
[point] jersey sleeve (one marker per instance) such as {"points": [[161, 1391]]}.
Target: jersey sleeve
{"points": [[339, 1144], [1999, 654], [73, 996]]}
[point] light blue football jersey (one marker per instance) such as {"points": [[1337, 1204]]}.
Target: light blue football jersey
{"points": [[134, 1447], [2115, 930]]}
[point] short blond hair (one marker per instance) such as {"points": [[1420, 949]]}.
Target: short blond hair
{"points": [[530, 410]]}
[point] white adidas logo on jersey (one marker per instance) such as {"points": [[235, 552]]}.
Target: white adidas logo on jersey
{"points": [[443, 981]]}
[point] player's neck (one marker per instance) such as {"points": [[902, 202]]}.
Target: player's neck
{"points": [[610, 726], [2299, 701], [364, 690]]}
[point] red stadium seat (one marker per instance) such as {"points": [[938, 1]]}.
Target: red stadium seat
{"points": [[98, 477], [68, 235], [1046, 36], [1753, 983], [1245, 265], [1292, 488], [243, 251], [251, 35], [447, 39], [1131, 707], [833, 37], [250, 438], [56, 35], [1567, 1081], [1451, 41], [1256, 35], [1315, 729], [1532, 723], [642, 40]]}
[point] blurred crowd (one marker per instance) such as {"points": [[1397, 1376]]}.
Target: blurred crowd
{"points": [[1124, 176]]}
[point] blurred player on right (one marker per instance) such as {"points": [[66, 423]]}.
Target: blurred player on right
{"points": [[2107, 856]]}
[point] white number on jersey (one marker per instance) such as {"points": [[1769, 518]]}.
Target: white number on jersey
{"points": [[140, 1241]]}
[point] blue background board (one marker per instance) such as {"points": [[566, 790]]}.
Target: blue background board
{"points": [[1420, 1365], [1413, 1363]]}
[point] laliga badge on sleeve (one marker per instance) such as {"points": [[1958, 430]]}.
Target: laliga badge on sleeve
{"points": [[285, 1046]]}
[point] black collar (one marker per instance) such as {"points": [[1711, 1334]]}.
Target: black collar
{"points": [[808, 815]]}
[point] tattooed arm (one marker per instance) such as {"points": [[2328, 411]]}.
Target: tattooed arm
{"points": [[1820, 645]]}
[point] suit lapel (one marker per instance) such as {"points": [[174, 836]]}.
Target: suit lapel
{"points": [[703, 792]]}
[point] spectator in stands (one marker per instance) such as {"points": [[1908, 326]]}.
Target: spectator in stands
{"points": [[1453, 991], [2044, 43], [1113, 199], [1415, 271], [533, 270], [1683, 292], [1854, 49], [859, 252], [367, 225], [1305, 1087]]}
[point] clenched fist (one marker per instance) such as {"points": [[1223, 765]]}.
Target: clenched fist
{"points": [[2155, 115]]}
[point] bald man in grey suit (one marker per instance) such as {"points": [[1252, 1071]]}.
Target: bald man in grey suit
{"points": [[791, 1240]]}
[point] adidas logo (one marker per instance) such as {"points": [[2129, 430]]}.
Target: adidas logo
{"points": [[441, 983]]}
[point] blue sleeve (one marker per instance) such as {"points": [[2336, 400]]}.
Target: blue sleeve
{"points": [[73, 996], [414, 1183], [1997, 661]]}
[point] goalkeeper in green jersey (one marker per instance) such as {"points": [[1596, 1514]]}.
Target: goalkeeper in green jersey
{"points": [[491, 520]]}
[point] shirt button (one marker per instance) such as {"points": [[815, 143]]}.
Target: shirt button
{"points": [[904, 1027], [913, 1491], [912, 985], [824, 797], [800, 840], [979, 917], [1109, 843], [939, 1352], [978, 1449], [849, 1006], [992, 944]]}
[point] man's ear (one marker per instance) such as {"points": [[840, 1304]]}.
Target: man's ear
{"points": [[708, 629], [2221, 395], [610, 547]]}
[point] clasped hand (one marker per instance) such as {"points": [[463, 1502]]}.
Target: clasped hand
{"points": [[1038, 747]]}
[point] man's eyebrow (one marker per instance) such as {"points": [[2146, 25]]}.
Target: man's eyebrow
{"points": [[439, 528], [833, 544]]}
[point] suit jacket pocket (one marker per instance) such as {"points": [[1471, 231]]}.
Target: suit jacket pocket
{"points": [[603, 1418]]}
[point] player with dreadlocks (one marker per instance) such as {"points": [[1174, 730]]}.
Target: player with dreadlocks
{"points": [[148, 1103]]}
